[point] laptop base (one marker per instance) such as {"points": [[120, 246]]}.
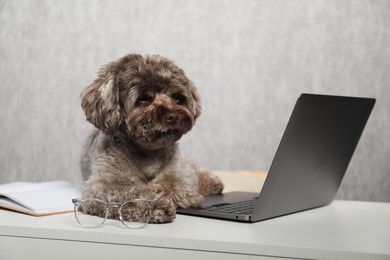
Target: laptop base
{"points": [[207, 209]]}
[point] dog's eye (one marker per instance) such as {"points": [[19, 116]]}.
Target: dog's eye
{"points": [[179, 99], [144, 99]]}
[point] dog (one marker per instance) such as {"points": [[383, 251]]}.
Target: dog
{"points": [[141, 106]]}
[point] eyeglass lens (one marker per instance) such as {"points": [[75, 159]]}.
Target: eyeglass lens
{"points": [[135, 214], [91, 213]]}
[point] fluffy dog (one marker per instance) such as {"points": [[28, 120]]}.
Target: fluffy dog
{"points": [[141, 106]]}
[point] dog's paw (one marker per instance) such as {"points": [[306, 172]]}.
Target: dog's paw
{"points": [[209, 183], [164, 211], [163, 215]]}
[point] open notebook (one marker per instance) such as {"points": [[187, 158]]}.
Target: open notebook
{"points": [[38, 198]]}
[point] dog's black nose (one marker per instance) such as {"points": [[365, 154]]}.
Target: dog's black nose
{"points": [[171, 118]]}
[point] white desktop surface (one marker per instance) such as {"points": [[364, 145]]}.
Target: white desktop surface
{"points": [[342, 230]]}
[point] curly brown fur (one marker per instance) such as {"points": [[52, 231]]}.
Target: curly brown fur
{"points": [[142, 105]]}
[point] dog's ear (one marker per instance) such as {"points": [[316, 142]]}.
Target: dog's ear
{"points": [[196, 106], [100, 102]]}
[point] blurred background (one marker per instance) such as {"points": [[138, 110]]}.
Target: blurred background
{"points": [[250, 60]]}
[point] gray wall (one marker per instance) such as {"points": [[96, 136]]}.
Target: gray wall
{"points": [[250, 60]]}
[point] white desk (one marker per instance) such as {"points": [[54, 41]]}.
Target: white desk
{"points": [[342, 230]]}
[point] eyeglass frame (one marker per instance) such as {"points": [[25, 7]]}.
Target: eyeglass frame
{"points": [[118, 206]]}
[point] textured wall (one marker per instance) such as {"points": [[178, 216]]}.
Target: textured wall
{"points": [[250, 60]]}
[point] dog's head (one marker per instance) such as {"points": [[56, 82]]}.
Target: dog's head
{"points": [[145, 98]]}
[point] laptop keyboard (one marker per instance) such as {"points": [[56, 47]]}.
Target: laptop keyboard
{"points": [[242, 207]]}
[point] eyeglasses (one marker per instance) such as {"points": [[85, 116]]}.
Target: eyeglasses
{"points": [[92, 213]]}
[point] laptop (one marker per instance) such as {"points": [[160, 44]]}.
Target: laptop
{"points": [[311, 160]]}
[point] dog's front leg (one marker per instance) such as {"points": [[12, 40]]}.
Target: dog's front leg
{"points": [[169, 196], [185, 195], [164, 210]]}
